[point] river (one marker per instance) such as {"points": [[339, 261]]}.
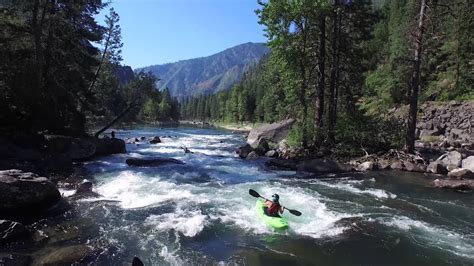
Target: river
{"points": [[201, 212]]}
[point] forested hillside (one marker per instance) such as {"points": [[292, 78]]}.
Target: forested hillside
{"points": [[338, 66], [207, 75], [54, 78]]}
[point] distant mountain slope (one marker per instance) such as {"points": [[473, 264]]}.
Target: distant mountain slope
{"points": [[124, 74], [207, 75]]}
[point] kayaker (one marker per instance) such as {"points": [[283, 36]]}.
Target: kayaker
{"points": [[273, 206]]}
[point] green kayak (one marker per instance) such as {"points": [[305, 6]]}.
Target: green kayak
{"points": [[275, 222]]}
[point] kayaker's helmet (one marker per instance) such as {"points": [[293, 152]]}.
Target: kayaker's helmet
{"points": [[275, 197]]}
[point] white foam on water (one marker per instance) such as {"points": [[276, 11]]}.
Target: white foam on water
{"points": [[66, 192], [435, 237], [170, 257], [189, 223], [135, 190], [316, 221], [377, 193]]}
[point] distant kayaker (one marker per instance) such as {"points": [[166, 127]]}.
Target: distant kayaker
{"points": [[273, 206]]}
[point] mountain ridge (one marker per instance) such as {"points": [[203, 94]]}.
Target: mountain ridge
{"points": [[207, 74]]}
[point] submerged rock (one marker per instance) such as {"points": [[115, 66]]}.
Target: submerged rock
{"points": [[22, 193], [282, 163], [152, 162], [155, 140], [137, 262], [84, 190], [454, 184], [65, 255]]}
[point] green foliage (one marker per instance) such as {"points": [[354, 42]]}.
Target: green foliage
{"points": [[47, 63], [447, 52], [359, 132]]}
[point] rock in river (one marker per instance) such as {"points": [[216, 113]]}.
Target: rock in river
{"points": [[451, 158], [454, 184], [317, 166], [10, 230], [155, 140], [272, 132], [156, 161], [22, 193], [322, 166], [244, 151], [461, 173]]}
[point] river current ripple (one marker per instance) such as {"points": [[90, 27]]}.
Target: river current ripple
{"points": [[201, 212]]}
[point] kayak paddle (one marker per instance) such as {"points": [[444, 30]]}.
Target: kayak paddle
{"points": [[255, 194]]}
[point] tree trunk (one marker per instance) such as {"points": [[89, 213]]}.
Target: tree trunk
{"points": [[321, 79], [97, 71], [36, 28], [132, 105], [415, 81], [334, 74]]}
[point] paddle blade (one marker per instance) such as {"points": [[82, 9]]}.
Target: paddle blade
{"points": [[294, 212], [254, 193]]}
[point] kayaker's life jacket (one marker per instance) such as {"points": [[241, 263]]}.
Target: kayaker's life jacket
{"points": [[274, 208]]}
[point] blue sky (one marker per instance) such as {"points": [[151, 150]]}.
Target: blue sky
{"points": [[163, 31]]}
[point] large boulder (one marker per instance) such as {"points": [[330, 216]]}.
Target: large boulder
{"points": [[74, 148], [412, 167], [262, 147], [151, 162], [450, 158], [461, 173], [11, 231], [275, 132], [83, 148], [22, 193], [454, 184], [366, 166], [109, 146], [468, 163], [437, 168], [397, 165], [271, 153], [322, 166], [244, 151]]}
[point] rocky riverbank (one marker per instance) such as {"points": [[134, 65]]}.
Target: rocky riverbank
{"points": [[445, 147], [32, 210]]}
